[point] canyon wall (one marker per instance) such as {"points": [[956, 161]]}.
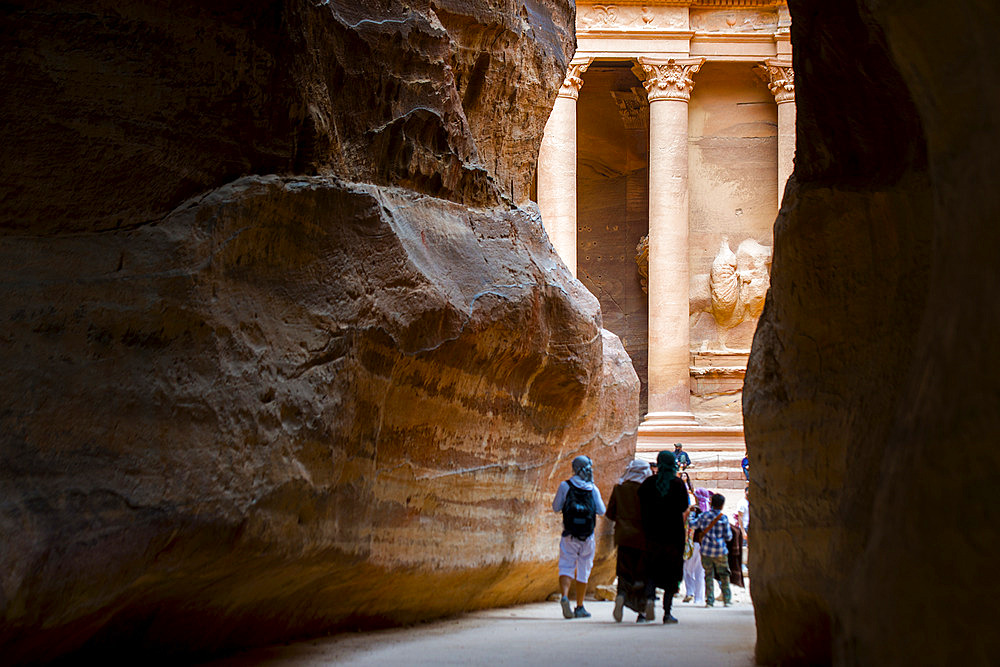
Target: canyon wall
{"points": [[871, 403], [283, 353]]}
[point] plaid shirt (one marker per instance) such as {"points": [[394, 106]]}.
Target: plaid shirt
{"points": [[713, 544]]}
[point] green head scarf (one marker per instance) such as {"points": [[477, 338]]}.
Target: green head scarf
{"points": [[666, 470]]}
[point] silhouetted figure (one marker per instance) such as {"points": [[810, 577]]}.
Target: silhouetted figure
{"points": [[624, 509], [663, 499]]}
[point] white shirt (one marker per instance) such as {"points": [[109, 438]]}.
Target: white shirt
{"points": [[743, 509]]}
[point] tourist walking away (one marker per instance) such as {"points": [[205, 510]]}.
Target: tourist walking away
{"points": [[743, 519], [579, 500], [713, 527], [624, 510], [735, 555], [694, 573], [682, 458], [663, 499]]}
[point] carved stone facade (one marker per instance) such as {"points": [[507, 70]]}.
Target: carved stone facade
{"points": [[684, 140], [670, 80]]}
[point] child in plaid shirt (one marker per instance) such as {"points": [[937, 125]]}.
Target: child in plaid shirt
{"points": [[714, 554]]}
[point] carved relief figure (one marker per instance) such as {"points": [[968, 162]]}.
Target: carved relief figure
{"points": [[739, 282], [630, 17], [642, 262]]}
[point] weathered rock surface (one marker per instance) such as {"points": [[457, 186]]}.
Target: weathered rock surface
{"points": [[280, 356], [872, 372]]}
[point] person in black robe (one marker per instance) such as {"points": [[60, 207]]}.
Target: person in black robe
{"points": [[663, 499]]}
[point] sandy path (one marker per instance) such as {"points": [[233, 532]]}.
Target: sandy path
{"points": [[536, 634]]}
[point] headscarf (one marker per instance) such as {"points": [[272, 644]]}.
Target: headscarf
{"points": [[666, 470], [583, 470], [637, 471], [702, 495]]}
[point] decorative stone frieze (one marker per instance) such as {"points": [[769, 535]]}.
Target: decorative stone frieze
{"points": [[670, 80], [571, 84], [780, 80], [631, 18]]}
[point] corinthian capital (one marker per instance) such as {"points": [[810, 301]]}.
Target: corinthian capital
{"points": [[780, 79], [571, 84], [669, 80]]}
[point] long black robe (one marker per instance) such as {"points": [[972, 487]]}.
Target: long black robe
{"points": [[663, 524]]}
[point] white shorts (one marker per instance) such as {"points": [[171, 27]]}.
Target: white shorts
{"points": [[576, 557]]}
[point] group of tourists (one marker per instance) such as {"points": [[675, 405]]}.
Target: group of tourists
{"points": [[666, 532]]}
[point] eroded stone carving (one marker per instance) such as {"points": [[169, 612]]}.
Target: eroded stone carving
{"points": [[642, 262], [571, 84], [780, 80], [633, 108], [631, 17], [670, 80], [739, 282], [746, 20]]}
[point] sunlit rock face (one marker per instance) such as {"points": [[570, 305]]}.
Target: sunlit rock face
{"points": [[872, 373], [281, 355]]}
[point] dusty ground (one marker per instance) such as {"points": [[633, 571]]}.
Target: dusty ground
{"points": [[537, 634]]}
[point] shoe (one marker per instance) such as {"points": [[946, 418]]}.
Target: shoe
{"points": [[581, 613], [641, 619], [567, 612], [687, 598], [650, 613], [619, 604], [709, 604], [727, 604], [669, 619]]}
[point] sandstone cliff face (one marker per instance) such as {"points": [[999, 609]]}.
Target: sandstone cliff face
{"points": [[280, 355], [872, 377]]}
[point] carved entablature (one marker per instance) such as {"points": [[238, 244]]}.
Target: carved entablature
{"points": [[671, 80], [571, 84], [780, 79]]}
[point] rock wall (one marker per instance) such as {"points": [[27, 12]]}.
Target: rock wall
{"points": [[871, 376], [280, 353]]}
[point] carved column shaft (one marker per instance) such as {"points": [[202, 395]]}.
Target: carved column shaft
{"points": [[557, 168], [780, 80], [669, 90]]}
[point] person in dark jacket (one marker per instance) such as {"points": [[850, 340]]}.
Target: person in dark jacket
{"points": [[663, 499], [624, 510]]}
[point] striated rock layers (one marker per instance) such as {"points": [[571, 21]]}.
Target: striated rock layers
{"points": [[280, 353], [871, 402]]}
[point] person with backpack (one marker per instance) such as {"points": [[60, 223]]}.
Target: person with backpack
{"points": [[579, 500]]}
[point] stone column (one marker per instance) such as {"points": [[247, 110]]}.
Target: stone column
{"points": [[557, 167], [780, 79], [668, 85]]}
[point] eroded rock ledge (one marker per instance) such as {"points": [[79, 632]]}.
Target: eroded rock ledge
{"points": [[870, 402], [336, 391]]}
